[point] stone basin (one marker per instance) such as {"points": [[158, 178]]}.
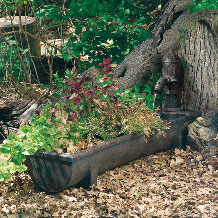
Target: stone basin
{"points": [[54, 172]]}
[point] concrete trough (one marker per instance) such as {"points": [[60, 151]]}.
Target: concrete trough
{"points": [[54, 172]]}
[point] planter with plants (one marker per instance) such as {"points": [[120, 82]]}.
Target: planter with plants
{"points": [[99, 127]]}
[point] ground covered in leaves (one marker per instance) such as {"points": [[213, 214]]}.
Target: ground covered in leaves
{"points": [[167, 184]]}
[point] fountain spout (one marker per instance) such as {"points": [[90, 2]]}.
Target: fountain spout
{"points": [[159, 86]]}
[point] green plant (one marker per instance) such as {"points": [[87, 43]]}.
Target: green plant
{"points": [[7, 167], [196, 5], [10, 65], [84, 96], [151, 81], [118, 119], [46, 132], [100, 29], [94, 110], [59, 85], [182, 38], [112, 30]]}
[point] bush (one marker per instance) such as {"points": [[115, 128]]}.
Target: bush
{"points": [[93, 111], [10, 65]]}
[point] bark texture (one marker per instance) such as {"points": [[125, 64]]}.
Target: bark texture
{"points": [[200, 53], [198, 50]]}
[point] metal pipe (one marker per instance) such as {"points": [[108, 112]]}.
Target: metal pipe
{"points": [[159, 86]]}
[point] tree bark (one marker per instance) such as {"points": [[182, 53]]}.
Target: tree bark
{"points": [[200, 84], [198, 49]]}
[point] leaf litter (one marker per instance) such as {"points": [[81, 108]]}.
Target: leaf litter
{"points": [[167, 184]]}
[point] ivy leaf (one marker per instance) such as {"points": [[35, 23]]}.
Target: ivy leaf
{"points": [[148, 98], [56, 95], [73, 39], [67, 56], [136, 88], [25, 128], [127, 12], [147, 89], [78, 29], [21, 168], [19, 158], [4, 150], [85, 34]]}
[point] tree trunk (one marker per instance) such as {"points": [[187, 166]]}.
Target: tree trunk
{"points": [[200, 84], [198, 48]]}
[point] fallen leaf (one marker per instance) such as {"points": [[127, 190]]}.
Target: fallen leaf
{"points": [[176, 162]]}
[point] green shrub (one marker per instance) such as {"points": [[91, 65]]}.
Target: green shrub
{"points": [[93, 110], [10, 65], [196, 5], [99, 29]]}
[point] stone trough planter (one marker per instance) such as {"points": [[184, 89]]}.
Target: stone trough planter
{"points": [[53, 172]]}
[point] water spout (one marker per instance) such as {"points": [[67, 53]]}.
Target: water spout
{"points": [[158, 88]]}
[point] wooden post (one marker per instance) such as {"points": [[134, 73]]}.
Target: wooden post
{"points": [[12, 27]]}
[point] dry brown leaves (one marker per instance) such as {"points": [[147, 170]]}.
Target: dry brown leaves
{"points": [[167, 184], [11, 93], [8, 94]]}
